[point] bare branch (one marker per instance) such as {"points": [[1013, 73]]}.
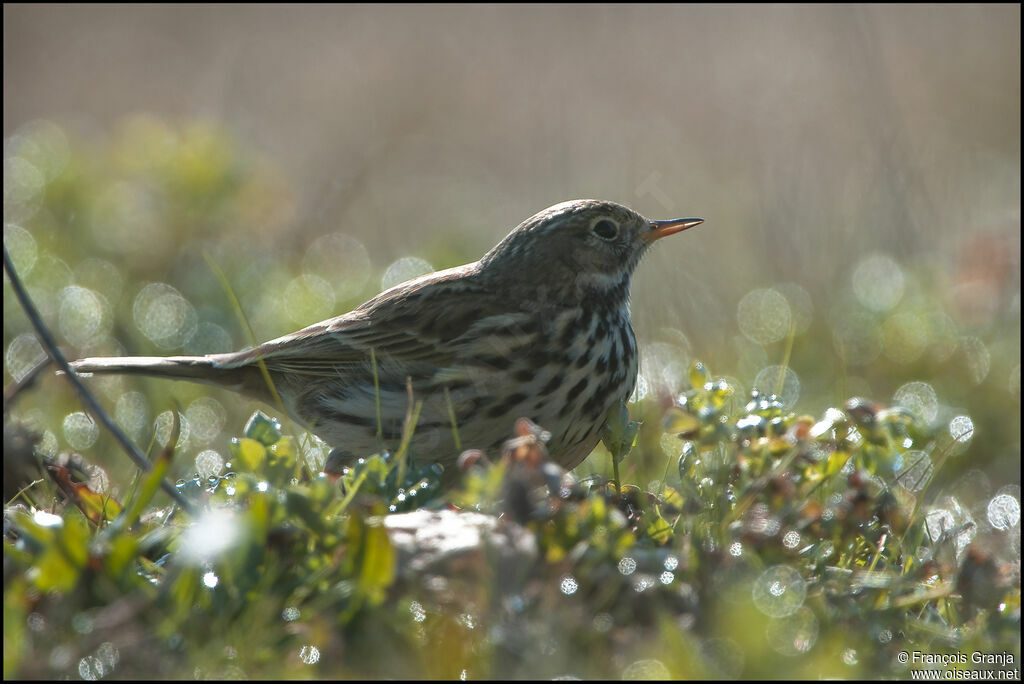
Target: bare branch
{"points": [[87, 397]]}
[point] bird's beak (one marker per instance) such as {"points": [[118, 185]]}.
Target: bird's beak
{"points": [[660, 229]]}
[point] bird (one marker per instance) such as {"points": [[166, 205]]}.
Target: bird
{"points": [[538, 328]]}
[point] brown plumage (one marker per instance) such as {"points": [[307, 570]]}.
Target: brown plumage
{"points": [[539, 328]]}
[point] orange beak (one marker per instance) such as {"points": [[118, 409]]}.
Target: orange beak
{"points": [[660, 229]]}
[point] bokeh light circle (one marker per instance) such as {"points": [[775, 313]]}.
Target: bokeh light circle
{"points": [[164, 316], [21, 248], [404, 269], [878, 282], [209, 463], [767, 383], [779, 591], [80, 431], [23, 354], [764, 315], [340, 260], [81, 317], [920, 398], [132, 412], [794, 634], [206, 417], [915, 470], [961, 428], [308, 298], [1003, 512]]}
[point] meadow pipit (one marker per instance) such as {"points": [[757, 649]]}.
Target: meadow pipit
{"points": [[537, 328]]}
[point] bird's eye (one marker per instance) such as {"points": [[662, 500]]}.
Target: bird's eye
{"points": [[605, 229]]}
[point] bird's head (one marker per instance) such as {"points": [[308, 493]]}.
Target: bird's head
{"points": [[579, 248]]}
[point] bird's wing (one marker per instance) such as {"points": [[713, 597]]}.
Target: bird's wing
{"points": [[422, 322]]}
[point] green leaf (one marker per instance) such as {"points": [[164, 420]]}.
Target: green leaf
{"points": [[659, 530], [679, 421], [263, 429], [619, 432], [249, 454], [699, 375], [379, 561], [63, 558], [836, 461]]}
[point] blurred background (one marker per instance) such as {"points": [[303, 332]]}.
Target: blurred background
{"points": [[858, 169]]}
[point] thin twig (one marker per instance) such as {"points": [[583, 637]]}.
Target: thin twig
{"points": [[22, 492], [88, 399], [229, 291], [451, 419], [376, 395], [412, 416]]}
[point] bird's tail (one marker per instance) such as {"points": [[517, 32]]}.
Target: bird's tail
{"points": [[210, 370]]}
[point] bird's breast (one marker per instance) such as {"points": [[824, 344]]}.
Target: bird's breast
{"points": [[563, 370]]}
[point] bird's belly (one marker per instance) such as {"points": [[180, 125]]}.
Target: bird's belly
{"points": [[567, 391]]}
